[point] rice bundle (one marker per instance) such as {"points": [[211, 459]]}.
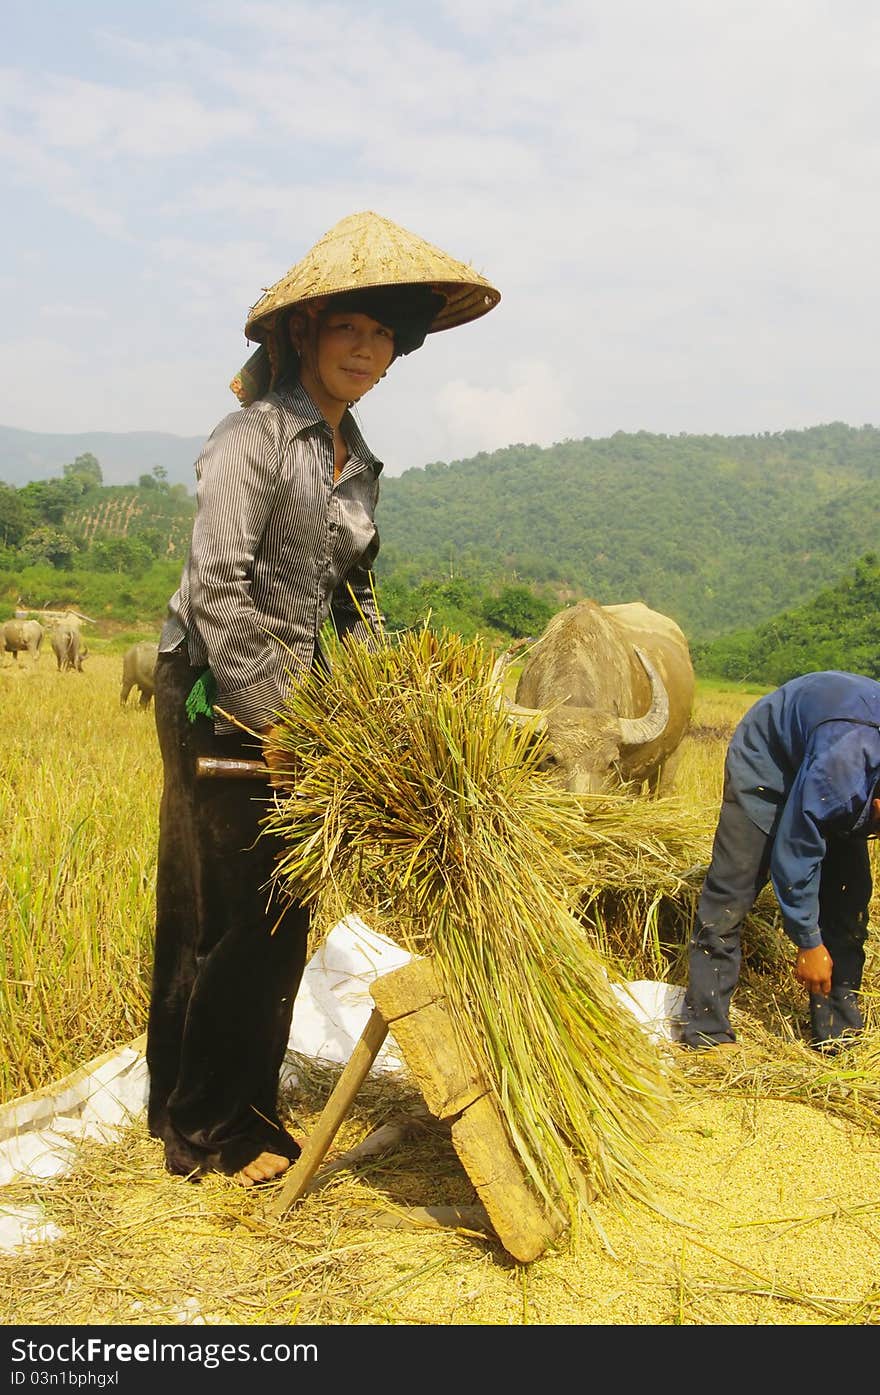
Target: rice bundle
{"points": [[410, 799], [639, 866]]}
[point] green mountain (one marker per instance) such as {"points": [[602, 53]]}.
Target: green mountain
{"points": [[720, 532], [839, 628], [162, 516]]}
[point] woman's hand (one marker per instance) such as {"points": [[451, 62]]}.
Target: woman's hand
{"points": [[813, 968], [278, 774]]}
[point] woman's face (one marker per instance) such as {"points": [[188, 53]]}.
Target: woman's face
{"points": [[342, 356]]}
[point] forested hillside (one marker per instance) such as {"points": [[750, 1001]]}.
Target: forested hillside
{"points": [[839, 628], [720, 532], [76, 519]]}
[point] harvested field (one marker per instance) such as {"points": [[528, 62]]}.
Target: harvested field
{"points": [[769, 1212]]}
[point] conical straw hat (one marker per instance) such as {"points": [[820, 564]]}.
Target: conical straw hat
{"points": [[365, 250]]}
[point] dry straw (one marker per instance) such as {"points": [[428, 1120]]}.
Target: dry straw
{"points": [[413, 801], [769, 1246]]}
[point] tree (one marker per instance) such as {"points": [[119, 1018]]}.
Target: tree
{"points": [[85, 471], [14, 517], [123, 555], [517, 611], [48, 544], [158, 479], [49, 500], [153, 540]]}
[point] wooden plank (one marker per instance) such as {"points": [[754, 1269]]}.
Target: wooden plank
{"points": [[297, 1178], [406, 989], [471, 1219], [430, 1048], [411, 999], [519, 1218]]}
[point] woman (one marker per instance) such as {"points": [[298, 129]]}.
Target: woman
{"points": [[283, 540]]}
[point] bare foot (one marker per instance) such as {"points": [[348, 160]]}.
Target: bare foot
{"points": [[262, 1169]]}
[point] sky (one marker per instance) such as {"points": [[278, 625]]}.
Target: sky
{"points": [[677, 199]]}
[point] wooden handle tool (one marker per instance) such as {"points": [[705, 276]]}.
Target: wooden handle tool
{"points": [[228, 768]]}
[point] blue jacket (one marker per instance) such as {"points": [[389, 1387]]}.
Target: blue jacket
{"points": [[804, 764]]}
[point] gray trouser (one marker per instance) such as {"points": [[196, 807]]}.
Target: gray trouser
{"points": [[738, 871]]}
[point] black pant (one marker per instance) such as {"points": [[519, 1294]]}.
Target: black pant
{"points": [[738, 871], [228, 958]]}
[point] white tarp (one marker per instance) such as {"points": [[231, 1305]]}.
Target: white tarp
{"points": [[334, 1003], [657, 1006], [39, 1133]]}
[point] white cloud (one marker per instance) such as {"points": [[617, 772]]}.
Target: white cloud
{"points": [[29, 166], [223, 275], [678, 203], [532, 409], [58, 310], [107, 121]]}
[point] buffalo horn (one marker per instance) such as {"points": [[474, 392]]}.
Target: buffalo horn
{"points": [[499, 668], [518, 714], [521, 715], [636, 731]]}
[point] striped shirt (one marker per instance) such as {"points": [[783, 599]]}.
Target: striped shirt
{"points": [[275, 546]]}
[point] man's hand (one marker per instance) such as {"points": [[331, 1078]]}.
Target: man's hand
{"points": [[813, 968]]}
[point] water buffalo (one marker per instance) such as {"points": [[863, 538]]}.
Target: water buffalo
{"points": [[67, 645], [23, 636], [138, 667], [612, 688]]}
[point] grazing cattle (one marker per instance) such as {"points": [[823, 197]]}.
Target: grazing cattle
{"points": [[67, 646], [23, 636], [612, 688], [138, 667]]}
